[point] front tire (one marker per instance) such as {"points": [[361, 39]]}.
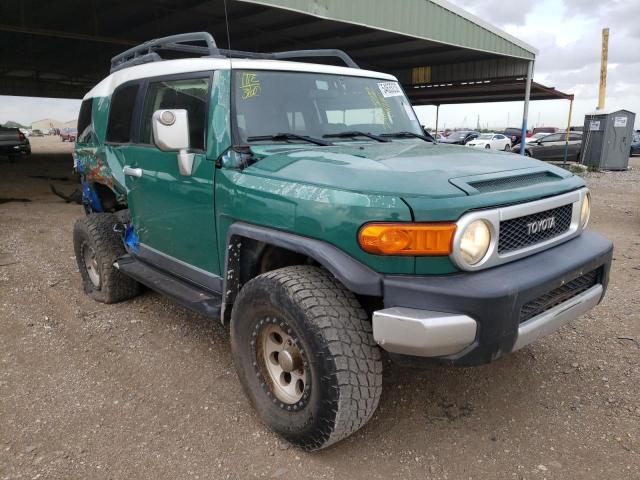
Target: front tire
{"points": [[304, 351], [97, 246], [487, 146]]}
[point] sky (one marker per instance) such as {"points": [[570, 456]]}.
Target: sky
{"points": [[566, 32], [568, 35]]}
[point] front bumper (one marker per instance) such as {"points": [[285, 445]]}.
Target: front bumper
{"points": [[475, 317]]}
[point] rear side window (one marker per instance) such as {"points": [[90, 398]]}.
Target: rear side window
{"points": [[190, 94], [121, 114], [551, 138], [84, 121]]}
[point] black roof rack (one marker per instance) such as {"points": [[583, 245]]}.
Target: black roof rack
{"points": [[148, 51], [348, 61]]}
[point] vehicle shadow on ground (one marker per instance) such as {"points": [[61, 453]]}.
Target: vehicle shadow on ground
{"points": [[442, 399]]}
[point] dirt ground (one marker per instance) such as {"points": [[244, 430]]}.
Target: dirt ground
{"points": [[147, 389]]}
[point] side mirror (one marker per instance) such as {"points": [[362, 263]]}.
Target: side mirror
{"points": [[171, 134]]}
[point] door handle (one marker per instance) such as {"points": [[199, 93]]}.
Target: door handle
{"points": [[132, 172]]}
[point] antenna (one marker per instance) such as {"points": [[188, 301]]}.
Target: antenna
{"points": [[226, 21]]}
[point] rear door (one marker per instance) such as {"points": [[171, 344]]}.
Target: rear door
{"points": [[501, 141], [575, 145], [173, 215]]}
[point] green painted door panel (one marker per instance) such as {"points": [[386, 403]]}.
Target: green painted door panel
{"points": [[171, 213]]}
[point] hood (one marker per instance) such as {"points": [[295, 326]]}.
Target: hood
{"points": [[404, 168]]}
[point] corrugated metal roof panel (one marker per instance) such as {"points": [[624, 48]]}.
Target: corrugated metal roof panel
{"points": [[434, 20]]}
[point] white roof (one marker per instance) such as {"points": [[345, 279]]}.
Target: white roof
{"points": [[169, 67]]}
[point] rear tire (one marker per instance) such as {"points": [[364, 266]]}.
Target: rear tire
{"points": [[97, 246], [507, 148], [304, 351]]}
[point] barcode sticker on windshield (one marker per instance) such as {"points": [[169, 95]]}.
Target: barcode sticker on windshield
{"points": [[390, 89]]}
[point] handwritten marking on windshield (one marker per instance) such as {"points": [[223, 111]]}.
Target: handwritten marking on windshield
{"points": [[250, 85]]}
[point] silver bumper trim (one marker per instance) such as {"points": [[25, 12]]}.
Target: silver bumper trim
{"points": [[555, 317], [423, 333]]}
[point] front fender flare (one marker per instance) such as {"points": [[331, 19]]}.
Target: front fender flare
{"points": [[354, 275]]}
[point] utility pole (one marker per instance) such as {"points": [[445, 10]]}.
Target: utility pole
{"points": [[603, 67]]}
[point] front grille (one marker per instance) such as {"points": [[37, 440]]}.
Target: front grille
{"points": [[518, 233], [558, 295], [519, 181]]}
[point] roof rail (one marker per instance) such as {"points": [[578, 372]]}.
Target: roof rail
{"points": [[348, 61], [148, 51]]}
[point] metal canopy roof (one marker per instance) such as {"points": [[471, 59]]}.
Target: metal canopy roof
{"points": [[63, 48], [481, 91]]}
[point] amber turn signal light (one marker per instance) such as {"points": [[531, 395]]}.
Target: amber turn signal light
{"points": [[407, 238]]}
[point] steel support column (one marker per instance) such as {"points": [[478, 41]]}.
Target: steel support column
{"points": [[525, 113], [566, 138]]}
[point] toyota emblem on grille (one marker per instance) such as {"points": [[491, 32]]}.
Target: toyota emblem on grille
{"points": [[541, 225]]}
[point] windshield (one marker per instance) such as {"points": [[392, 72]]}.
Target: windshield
{"points": [[486, 136], [311, 104], [457, 136]]}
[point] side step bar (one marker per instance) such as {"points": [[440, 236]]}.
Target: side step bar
{"points": [[191, 296]]}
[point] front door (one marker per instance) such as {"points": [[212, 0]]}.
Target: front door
{"points": [[551, 147], [173, 215]]}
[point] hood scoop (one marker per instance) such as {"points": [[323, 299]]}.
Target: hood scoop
{"points": [[506, 181]]}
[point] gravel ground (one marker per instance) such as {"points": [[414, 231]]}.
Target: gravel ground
{"points": [[147, 389]]}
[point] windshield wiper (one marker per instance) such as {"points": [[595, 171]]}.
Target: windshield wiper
{"points": [[355, 133], [289, 136], [426, 138]]}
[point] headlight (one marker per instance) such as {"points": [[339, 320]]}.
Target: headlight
{"points": [[585, 211], [475, 241]]}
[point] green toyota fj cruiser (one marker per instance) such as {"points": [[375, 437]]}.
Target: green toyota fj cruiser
{"points": [[303, 205]]}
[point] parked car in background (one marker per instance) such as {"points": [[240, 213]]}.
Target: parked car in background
{"points": [[535, 137], [635, 144], [544, 130], [461, 137], [551, 147], [494, 141], [68, 134], [513, 134], [13, 143], [37, 133]]}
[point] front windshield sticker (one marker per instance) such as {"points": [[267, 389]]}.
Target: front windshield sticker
{"points": [[250, 85], [390, 89], [380, 103]]}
